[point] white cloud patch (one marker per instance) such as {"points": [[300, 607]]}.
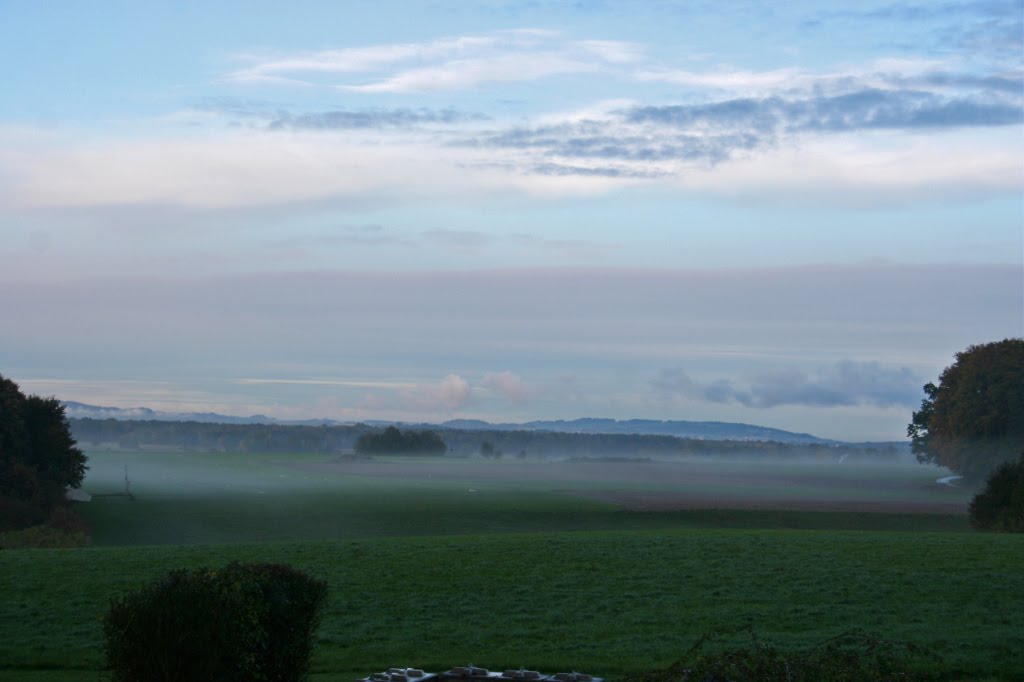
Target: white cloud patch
{"points": [[884, 73], [269, 67], [447, 396], [452, 63], [508, 385]]}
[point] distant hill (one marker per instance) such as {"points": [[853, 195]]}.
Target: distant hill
{"points": [[586, 425], [76, 410], [652, 427]]}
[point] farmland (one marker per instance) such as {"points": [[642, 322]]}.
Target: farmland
{"points": [[610, 567]]}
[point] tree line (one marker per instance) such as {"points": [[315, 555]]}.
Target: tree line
{"points": [[392, 441]]}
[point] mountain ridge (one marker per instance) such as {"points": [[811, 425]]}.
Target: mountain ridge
{"points": [[707, 430]]}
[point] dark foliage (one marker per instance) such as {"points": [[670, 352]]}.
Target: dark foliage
{"points": [[853, 656], [973, 420], [39, 459], [999, 506], [239, 623], [392, 441]]}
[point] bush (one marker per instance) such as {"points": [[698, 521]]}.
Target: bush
{"points": [[241, 622], [65, 518], [1000, 506], [851, 657], [42, 537]]}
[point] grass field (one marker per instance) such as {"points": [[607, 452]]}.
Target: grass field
{"points": [[526, 570], [199, 498]]}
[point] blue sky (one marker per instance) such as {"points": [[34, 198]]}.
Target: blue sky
{"points": [[787, 214]]}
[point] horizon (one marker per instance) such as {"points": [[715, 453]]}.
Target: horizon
{"points": [[139, 412], [792, 217]]}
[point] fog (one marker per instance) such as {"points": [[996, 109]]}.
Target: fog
{"points": [[860, 482]]}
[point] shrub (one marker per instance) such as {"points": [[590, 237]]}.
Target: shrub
{"points": [[241, 622], [65, 518], [42, 537], [1000, 505], [851, 657]]}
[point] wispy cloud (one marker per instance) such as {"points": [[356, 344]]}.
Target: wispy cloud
{"points": [[263, 68], [343, 383], [444, 64], [662, 140], [371, 118], [989, 27], [711, 139], [857, 110], [846, 383]]}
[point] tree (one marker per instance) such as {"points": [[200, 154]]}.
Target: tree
{"points": [[39, 459], [392, 441], [1000, 505], [973, 420]]}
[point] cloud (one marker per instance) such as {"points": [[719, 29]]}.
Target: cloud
{"points": [[591, 171], [445, 64], [669, 140], [274, 68], [448, 395], [858, 110], [846, 383], [612, 141], [370, 118], [402, 333], [725, 79], [508, 385], [465, 73], [988, 27], [225, 169], [832, 130]]}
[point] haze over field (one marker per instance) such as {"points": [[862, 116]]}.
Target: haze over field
{"points": [[790, 215]]}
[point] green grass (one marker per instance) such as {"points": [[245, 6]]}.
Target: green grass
{"points": [[425, 572], [204, 498], [609, 602]]}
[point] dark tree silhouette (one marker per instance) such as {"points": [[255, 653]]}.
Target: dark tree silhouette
{"points": [[973, 420], [392, 441], [38, 457], [1000, 505]]}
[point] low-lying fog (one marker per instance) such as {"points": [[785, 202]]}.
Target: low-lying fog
{"points": [[861, 483]]}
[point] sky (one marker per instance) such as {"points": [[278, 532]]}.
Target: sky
{"points": [[788, 214]]}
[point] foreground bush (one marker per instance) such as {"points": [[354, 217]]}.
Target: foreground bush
{"points": [[241, 622], [1000, 506], [854, 656], [42, 537]]}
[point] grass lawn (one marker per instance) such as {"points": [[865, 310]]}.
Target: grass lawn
{"points": [[437, 570], [609, 602]]}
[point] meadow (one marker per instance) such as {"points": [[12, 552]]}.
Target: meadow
{"points": [[551, 565]]}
